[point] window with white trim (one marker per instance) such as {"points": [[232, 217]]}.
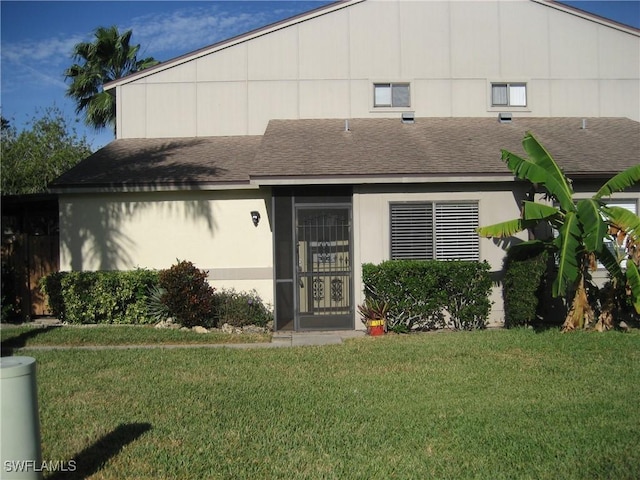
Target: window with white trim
{"points": [[434, 231], [391, 95], [508, 94]]}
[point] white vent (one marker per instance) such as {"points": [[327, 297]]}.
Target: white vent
{"points": [[505, 117], [408, 117]]}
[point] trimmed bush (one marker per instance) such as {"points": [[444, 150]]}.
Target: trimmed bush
{"points": [[431, 294], [241, 308], [523, 287], [188, 295], [99, 297]]}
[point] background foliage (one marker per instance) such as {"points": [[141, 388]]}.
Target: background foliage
{"points": [[34, 157]]}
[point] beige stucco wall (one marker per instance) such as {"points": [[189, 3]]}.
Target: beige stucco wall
{"points": [[450, 52], [371, 224], [212, 229], [497, 203]]}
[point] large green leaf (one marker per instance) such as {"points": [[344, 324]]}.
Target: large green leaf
{"points": [[610, 262], [503, 229], [569, 255], [539, 211], [622, 180], [539, 155], [535, 173], [594, 227], [623, 219], [633, 278]]}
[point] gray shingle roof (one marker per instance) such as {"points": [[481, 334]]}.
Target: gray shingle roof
{"points": [[294, 150], [441, 146], [165, 162]]}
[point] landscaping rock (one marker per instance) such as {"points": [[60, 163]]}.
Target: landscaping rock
{"points": [[199, 329], [252, 329]]}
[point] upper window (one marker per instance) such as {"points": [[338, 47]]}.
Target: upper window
{"points": [[509, 94], [434, 231], [391, 95]]}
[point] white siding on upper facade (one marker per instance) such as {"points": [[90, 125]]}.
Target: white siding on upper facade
{"points": [[450, 52]]}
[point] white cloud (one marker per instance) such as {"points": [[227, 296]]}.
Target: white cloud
{"points": [[182, 31], [51, 50]]}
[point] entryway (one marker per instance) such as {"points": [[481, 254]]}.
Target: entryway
{"points": [[313, 251]]}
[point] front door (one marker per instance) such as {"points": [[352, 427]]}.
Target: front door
{"points": [[324, 269]]}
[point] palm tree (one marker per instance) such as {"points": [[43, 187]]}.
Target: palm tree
{"points": [[581, 229], [107, 58]]}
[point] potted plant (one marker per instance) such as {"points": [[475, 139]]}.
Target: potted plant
{"points": [[374, 315]]}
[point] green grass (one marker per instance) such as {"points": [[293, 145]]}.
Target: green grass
{"points": [[28, 336], [487, 405]]}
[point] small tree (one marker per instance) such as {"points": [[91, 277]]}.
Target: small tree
{"points": [[581, 228], [109, 57], [36, 156]]}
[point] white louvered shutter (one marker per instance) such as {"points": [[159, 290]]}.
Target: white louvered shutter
{"points": [[456, 237]]}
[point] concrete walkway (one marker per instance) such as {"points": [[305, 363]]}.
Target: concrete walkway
{"points": [[297, 339]]}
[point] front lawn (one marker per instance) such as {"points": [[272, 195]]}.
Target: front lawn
{"points": [[488, 405], [76, 336]]}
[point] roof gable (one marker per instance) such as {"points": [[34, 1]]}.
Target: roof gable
{"points": [[324, 10]]}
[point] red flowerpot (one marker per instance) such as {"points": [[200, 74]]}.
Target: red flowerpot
{"points": [[376, 327]]}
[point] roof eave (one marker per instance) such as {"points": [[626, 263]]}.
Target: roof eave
{"points": [[273, 180], [589, 16], [150, 187]]}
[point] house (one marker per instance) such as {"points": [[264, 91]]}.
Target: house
{"points": [[283, 159]]}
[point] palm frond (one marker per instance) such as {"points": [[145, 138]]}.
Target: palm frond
{"points": [[633, 280], [593, 225], [569, 249], [539, 211], [623, 219], [539, 155], [621, 181], [535, 173], [503, 229], [611, 263]]}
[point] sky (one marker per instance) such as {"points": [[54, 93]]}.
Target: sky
{"points": [[37, 37]]}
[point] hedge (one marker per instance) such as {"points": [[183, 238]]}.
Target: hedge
{"points": [[523, 287], [100, 297], [431, 294]]}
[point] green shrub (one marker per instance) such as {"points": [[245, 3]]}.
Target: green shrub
{"points": [[188, 295], [430, 294], [522, 287], [241, 308], [99, 297], [157, 310]]}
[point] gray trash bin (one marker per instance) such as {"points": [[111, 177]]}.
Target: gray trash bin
{"points": [[20, 448]]}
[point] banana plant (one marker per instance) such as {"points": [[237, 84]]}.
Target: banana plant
{"points": [[581, 227]]}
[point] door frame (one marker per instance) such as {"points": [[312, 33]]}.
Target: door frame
{"points": [[335, 321], [285, 203]]}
